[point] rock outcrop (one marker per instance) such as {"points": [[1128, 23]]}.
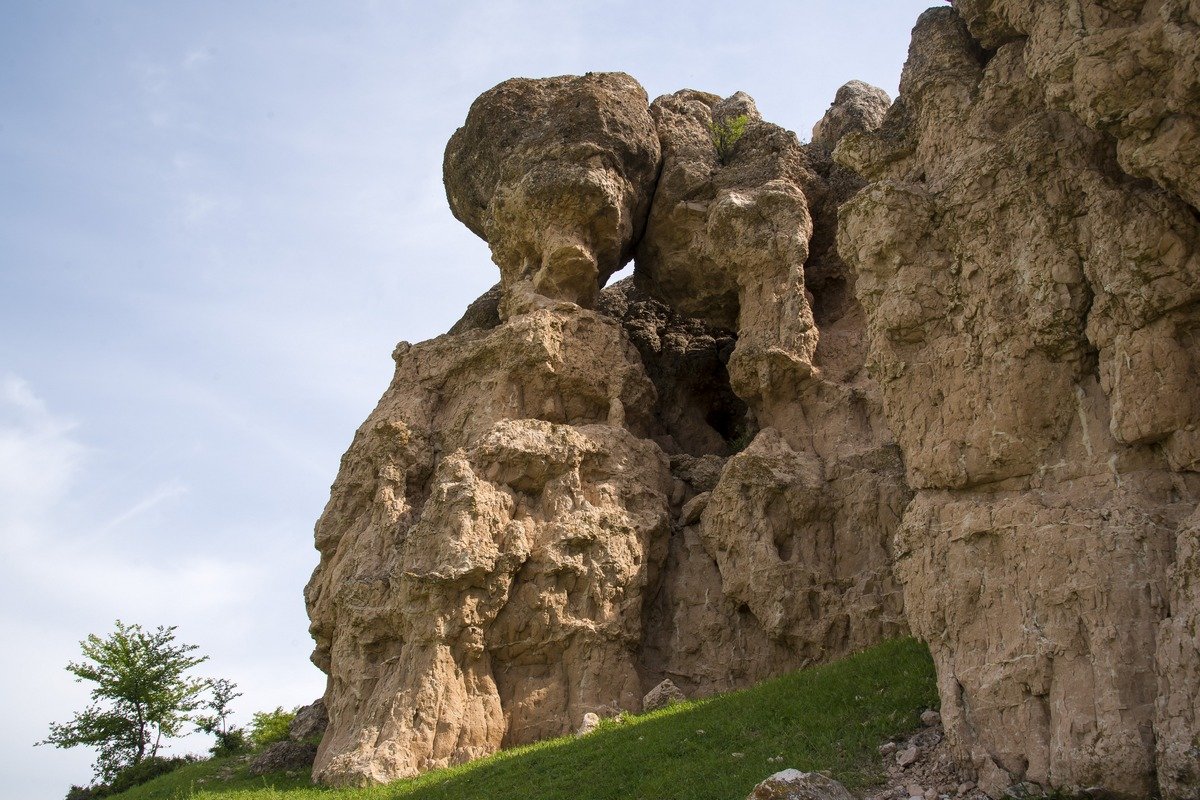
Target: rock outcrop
{"points": [[556, 175], [575, 494], [1032, 308], [936, 370]]}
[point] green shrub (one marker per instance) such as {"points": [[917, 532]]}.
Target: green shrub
{"points": [[268, 727], [146, 769], [725, 133], [143, 771], [232, 742]]}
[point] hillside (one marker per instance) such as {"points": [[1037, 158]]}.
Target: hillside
{"points": [[831, 717]]}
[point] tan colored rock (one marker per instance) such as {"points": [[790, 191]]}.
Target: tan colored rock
{"points": [[685, 359], [1177, 718], [726, 243], [556, 175], [1030, 308], [796, 534], [662, 695], [483, 562], [858, 106], [1129, 69]]}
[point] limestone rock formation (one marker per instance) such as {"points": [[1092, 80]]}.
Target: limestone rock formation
{"points": [[553, 509], [556, 174], [297, 752], [936, 369], [857, 107], [1177, 721], [1032, 308], [1130, 69]]}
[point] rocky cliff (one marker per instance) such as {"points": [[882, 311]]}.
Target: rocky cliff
{"points": [[935, 369], [1028, 254]]}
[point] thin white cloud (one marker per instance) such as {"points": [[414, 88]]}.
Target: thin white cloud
{"points": [[197, 57], [162, 494], [39, 457]]}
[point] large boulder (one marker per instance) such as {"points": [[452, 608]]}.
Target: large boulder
{"points": [[556, 175], [857, 106]]}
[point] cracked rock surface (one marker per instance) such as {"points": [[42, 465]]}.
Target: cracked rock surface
{"points": [[1032, 311]]}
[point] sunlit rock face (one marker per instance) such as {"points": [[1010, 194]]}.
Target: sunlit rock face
{"points": [[556, 174], [1028, 256], [577, 493], [934, 371]]}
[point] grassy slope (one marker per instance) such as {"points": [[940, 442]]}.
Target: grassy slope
{"points": [[826, 718]]}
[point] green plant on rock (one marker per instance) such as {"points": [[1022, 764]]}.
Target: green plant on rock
{"points": [[725, 133]]}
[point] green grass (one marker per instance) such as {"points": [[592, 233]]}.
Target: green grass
{"points": [[831, 717]]}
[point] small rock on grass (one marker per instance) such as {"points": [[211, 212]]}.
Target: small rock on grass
{"points": [[591, 720], [662, 696], [792, 784]]}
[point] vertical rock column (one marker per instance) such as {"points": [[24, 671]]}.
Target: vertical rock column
{"points": [[497, 519], [1031, 308], [795, 535]]}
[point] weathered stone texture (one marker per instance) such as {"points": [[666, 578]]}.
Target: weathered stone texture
{"points": [[482, 561], [1032, 308], [1177, 722], [1128, 68], [552, 509], [556, 175]]}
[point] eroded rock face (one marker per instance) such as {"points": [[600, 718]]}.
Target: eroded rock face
{"points": [[556, 174], [552, 509], [686, 360], [1177, 721], [482, 561], [797, 531], [726, 242], [1031, 306], [857, 106], [1129, 68]]}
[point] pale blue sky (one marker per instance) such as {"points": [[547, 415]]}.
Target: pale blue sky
{"points": [[216, 220]]}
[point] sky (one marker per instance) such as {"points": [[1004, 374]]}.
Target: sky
{"points": [[216, 221]]}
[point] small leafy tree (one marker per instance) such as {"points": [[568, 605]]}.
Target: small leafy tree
{"points": [[268, 727], [230, 740], [725, 133], [142, 695]]}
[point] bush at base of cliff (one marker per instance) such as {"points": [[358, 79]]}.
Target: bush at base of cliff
{"points": [[145, 770], [233, 742], [268, 727]]}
